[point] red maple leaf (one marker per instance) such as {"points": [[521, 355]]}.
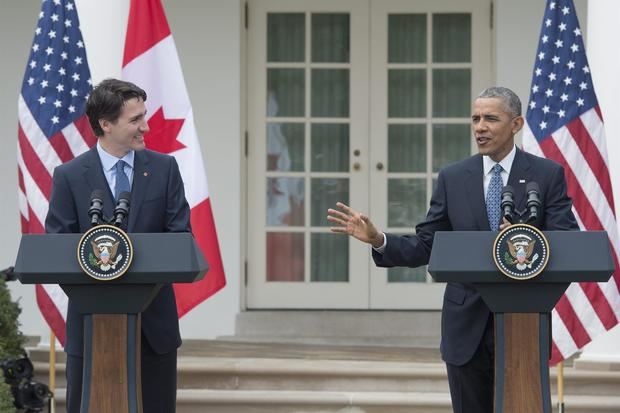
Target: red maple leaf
{"points": [[163, 134]]}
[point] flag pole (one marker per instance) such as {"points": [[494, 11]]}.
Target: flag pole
{"points": [[561, 387], [52, 370]]}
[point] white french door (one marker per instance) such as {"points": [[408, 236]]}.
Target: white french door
{"points": [[360, 102], [429, 59], [308, 145]]}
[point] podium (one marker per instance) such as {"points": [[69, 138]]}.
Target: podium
{"points": [[111, 381], [522, 308]]}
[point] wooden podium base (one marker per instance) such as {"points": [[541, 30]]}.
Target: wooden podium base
{"points": [[521, 363], [112, 350]]}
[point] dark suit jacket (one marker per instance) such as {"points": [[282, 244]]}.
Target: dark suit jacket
{"points": [[157, 204], [458, 204]]}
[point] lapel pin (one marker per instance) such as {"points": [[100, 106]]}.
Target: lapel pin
{"points": [[521, 181], [147, 174]]}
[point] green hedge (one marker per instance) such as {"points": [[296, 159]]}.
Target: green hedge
{"points": [[11, 341]]}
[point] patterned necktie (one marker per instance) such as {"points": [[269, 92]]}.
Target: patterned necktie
{"points": [[494, 194], [122, 182]]}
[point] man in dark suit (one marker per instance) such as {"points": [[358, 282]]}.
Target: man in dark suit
{"points": [[466, 199], [119, 162]]}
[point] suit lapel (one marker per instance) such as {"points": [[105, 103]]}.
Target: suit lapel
{"points": [[519, 177], [95, 178], [474, 184], [141, 179]]}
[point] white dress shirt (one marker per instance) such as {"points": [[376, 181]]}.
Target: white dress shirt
{"points": [[108, 163]]}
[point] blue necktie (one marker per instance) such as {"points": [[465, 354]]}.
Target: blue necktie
{"points": [[494, 194], [122, 182]]}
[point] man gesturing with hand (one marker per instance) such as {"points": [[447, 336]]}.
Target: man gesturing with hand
{"points": [[467, 198]]}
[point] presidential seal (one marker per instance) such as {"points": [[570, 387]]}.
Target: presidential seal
{"points": [[105, 252], [521, 251]]}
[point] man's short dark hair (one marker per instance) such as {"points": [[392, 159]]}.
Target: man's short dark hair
{"points": [[107, 99], [511, 101]]}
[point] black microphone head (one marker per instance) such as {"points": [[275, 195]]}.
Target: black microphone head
{"points": [[533, 200], [96, 194], [532, 187], [95, 211], [122, 208], [508, 189], [508, 203], [124, 195]]}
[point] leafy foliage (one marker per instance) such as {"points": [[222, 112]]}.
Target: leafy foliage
{"points": [[11, 341]]}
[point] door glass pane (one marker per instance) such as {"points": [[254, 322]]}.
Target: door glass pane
{"points": [[285, 92], [452, 38], [451, 93], [285, 146], [406, 202], [330, 93], [285, 201], [406, 274], [285, 256], [325, 192], [330, 37], [406, 93], [407, 38], [406, 148], [330, 147], [286, 34], [330, 258], [450, 144]]}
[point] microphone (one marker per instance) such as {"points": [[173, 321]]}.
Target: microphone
{"points": [[95, 212], [122, 208], [533, 200], [508, 203]]}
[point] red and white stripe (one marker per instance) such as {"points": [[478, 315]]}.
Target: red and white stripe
{"points": [[37, 157], [587, 309]]}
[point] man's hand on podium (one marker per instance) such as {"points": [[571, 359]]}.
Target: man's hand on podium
{"points": [[505, 224], [355, 224]]}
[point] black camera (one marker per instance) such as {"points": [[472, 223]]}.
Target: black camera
{"points": [[8, 274], [32, 396], [27, 394], [16, 370]]}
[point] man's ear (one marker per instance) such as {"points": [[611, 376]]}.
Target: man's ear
{"points": [[105, 124], [517, 124]]}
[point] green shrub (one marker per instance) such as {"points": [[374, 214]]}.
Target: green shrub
{"points": [[11, 341], [6, 398]]}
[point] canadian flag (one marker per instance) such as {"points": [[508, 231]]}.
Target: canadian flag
{"points": [[151, 61]]}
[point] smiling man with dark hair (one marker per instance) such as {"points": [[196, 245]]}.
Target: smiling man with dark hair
{"points": [[120, 163]]}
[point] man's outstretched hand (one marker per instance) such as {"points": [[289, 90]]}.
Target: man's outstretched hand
{"points": [[349, 221]]}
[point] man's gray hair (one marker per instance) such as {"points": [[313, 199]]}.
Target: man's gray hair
{"points": [[510, 98]]}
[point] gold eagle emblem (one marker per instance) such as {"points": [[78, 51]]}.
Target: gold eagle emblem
{"points": [[105, 253], [521, 251]]}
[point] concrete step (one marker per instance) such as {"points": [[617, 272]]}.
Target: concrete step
{"points": [[248, 401], [355, 376], [227, 377], [312, 375], [286, 374]]}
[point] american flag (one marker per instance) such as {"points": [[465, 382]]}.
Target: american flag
{"points": [[53, 128], [564, 123]]}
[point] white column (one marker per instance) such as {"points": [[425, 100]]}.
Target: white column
{"points": [[604, 57], [104, 25]]}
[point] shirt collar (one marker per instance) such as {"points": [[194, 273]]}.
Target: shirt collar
{"points": [[109, 161], [506, 163]]}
